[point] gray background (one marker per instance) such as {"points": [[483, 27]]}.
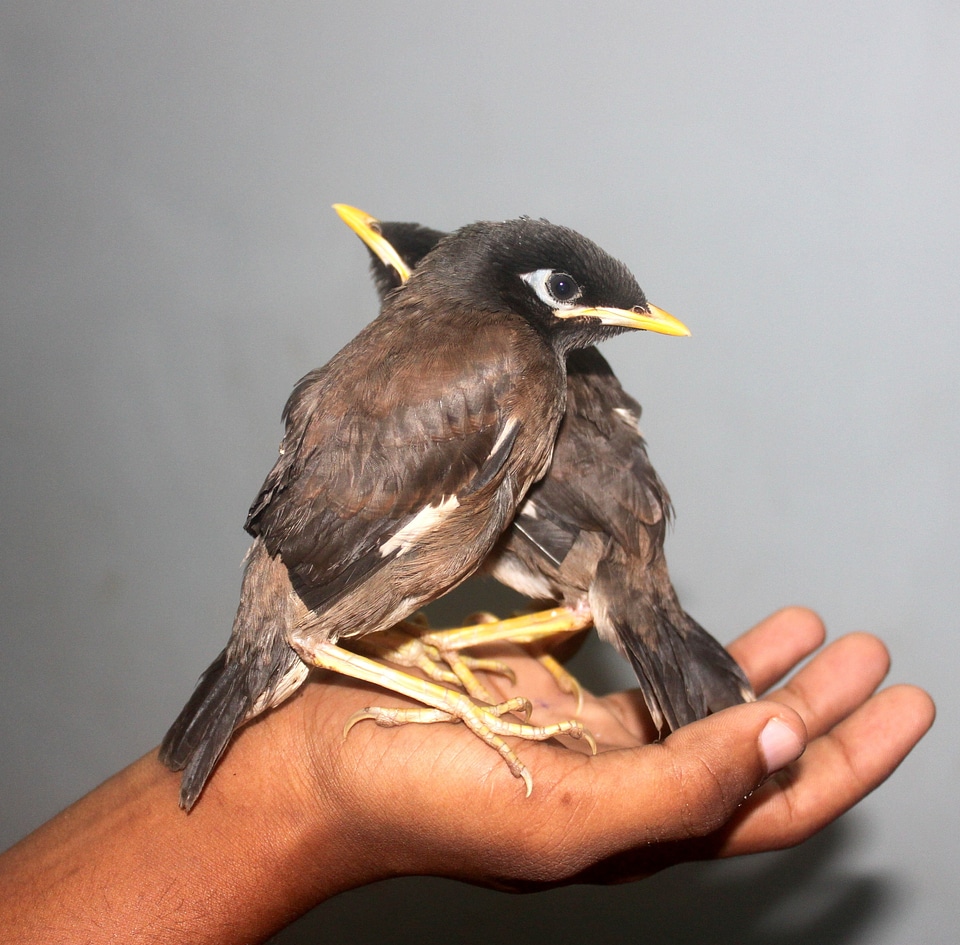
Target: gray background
{"points": [[783, 177]]}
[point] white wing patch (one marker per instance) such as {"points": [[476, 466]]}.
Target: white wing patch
{"points": [[425, 521], [529, 508], [289, 683], [524, 581], [628, 417], [505, 433]]}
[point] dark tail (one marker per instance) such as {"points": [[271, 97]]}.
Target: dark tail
{"points": [[257, 670], [683, 672], [198, 737]]}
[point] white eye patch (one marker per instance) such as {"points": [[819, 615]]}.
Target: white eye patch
{"points": [[553, 288]]}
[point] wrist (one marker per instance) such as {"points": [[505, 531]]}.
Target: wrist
{"points": [[124, 861], [273, 818]]}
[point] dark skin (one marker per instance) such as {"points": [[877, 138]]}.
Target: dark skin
{"points": [[271, 840]]}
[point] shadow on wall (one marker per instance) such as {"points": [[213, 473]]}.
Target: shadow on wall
{"points": [[788, 898], [796, 897]]}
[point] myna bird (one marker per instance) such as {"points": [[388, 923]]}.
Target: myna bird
{"points": [[403, 461], [590, 533]]}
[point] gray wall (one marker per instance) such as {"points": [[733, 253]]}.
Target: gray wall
{"points": [[782, 177]]}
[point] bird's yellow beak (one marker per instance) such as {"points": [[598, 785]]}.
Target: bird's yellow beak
{"points": [[368, 229], [649, 318]]}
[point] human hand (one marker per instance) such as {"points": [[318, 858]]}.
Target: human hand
{"points": [[297, 813], [432, 799]]}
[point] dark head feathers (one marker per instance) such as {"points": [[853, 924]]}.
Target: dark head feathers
{"points": [[485, 266]]}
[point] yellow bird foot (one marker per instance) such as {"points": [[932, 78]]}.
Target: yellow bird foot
{"points": [[442, 704], [566, 681], [527, 629], [403, 645]]}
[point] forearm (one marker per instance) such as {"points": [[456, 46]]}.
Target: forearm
{"points": [[125, 863]]}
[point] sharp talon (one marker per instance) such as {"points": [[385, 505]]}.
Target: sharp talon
{"points": [[440, 704], [587, 736], [395, 717], [502, 708], [357, 717], [518, 705], [517, 768]]}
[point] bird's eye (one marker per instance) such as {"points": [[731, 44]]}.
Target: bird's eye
{"points": [[563, 287], [556, 289]]}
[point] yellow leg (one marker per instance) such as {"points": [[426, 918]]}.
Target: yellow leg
{"points": [[390, 718], [398, 646], [403, 645], [483, 721], [565, 680], [525, 629]]}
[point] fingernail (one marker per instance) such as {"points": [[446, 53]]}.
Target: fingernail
{"points": [[780, 745]]}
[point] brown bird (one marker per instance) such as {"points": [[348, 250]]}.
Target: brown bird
{"points": [[590, 533], [403, 460]]}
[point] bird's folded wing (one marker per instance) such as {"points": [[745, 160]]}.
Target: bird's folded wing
{"points": [[351, 492], [601, 478]]}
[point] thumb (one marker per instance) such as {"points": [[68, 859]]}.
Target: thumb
{"points": [[692, 783]]}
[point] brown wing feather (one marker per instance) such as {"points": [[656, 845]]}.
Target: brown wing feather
{"points": [[346, 482], [601, 478]]}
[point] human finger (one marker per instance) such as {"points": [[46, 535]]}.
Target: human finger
{"points": [[836, 681], [687, 785], [769, 650], [839, 769]]}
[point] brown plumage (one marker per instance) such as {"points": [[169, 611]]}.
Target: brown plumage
{"points": [[590, 534], [404, 459]]}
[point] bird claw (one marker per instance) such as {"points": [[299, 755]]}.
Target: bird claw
{"points": [[477, 665], [518, 705], [440, 704], [404, 646], [565, 680], [523, 630], [393, 717]]}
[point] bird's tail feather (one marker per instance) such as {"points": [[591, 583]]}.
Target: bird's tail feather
{"points": [[198, 737], [257, 670], [683, 672]]}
